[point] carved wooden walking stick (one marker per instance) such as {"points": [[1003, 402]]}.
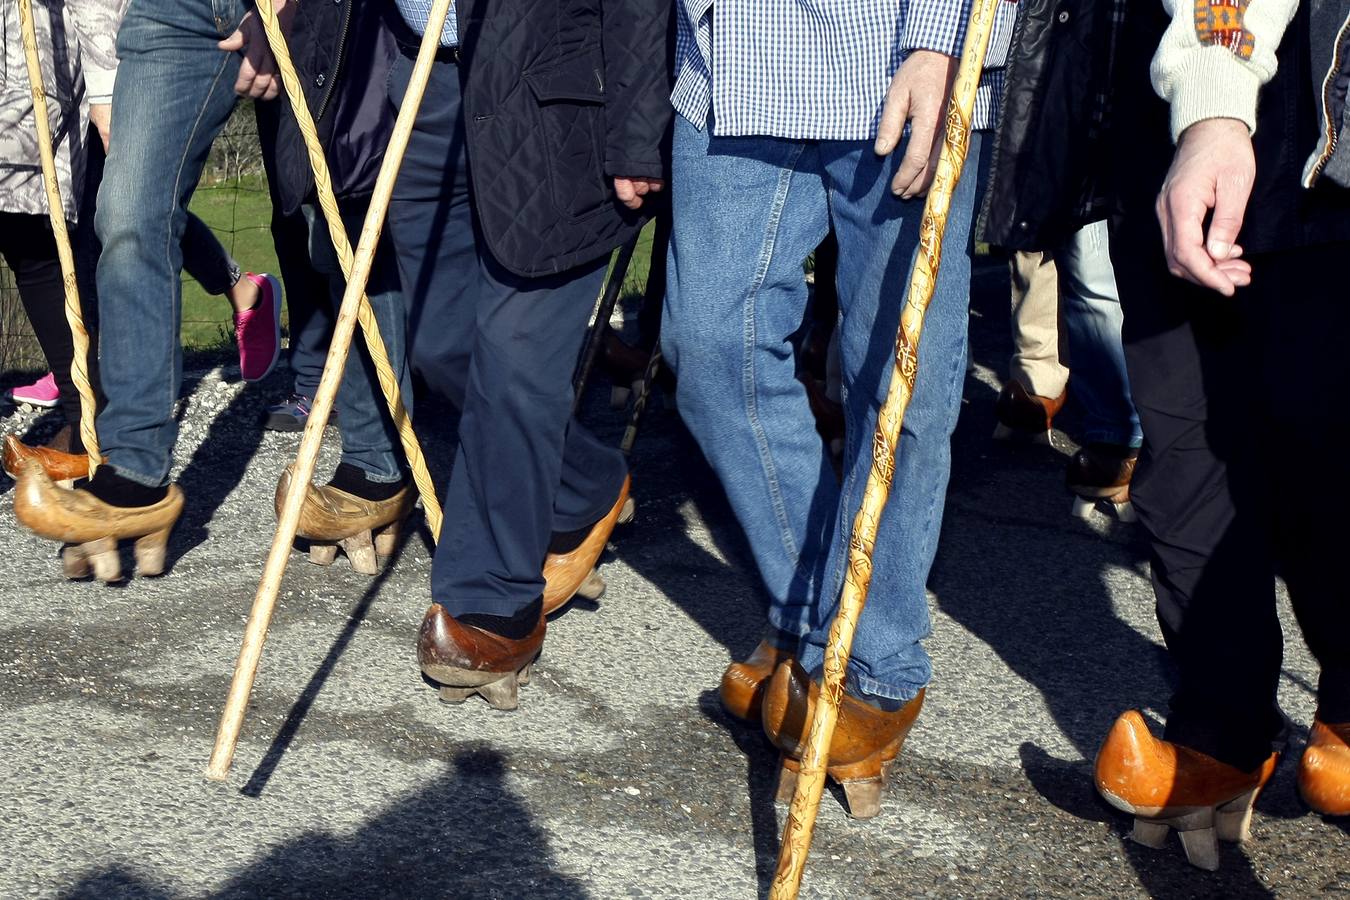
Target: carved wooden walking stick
{"points": [[79, 366], [811, 780], [232, 718]]}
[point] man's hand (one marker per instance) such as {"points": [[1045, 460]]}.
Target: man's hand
{"points": [[918, 95], [257, 74], [632, 190], [1214, 168], [100, 116]]}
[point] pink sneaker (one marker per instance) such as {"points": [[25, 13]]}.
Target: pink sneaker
{"points": [[257, 331], [42, 392]]}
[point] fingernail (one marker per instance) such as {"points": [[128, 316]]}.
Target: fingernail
{"points": [[1219, 249]]}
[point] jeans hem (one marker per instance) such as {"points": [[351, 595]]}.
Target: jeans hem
{"points": [[1119, 438], [379, 475], [798, 627], [904, 691], [129, 475]]}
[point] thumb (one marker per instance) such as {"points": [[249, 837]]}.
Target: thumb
{"points": [[233, 43], [894, 114], [1230, 205]]}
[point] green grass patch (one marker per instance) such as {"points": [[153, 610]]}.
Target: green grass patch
{"points": [[240, 214]]}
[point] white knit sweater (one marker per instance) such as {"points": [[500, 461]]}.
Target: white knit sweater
{"points": [[1216, 55]]}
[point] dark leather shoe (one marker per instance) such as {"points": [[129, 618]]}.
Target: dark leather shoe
{"points": [[1102, 470], [866, 739], [59, 465], [1164, 785], [743, 682], [623, 362], [1324, 770], [1022, 414], [572, 573], [466, 660]]}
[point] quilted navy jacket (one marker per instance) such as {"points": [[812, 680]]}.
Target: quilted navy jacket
{"points": [[561, 96]]}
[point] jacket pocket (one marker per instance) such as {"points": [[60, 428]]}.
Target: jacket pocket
{"points": [[569, 98]]}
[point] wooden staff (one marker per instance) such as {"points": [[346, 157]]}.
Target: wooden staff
{"points": [[365, 316], [232, 718], [801, 819], [79, 364]]}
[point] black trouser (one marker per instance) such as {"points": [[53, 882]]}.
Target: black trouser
{"points": [[1243, 443], [29, 248], [1243, 438]]}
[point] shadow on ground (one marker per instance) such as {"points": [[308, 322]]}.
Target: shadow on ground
{"points": [[1039, 598], [464, 835]]}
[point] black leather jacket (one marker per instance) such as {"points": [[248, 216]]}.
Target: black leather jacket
{"points": [[1048, 174], [1063, 157]]}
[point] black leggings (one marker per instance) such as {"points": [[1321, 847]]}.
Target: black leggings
{"points": [[29, 249]]}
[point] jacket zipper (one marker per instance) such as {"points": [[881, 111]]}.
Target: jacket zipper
{"points": [[1332, 131], [337, 66]]}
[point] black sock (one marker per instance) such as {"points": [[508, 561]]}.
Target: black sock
{"points": [[115, 490], [513, 628], [353, 480], [567, 541]]}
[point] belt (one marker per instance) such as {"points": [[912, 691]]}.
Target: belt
{"points": [[409, 41], [443, 54]]}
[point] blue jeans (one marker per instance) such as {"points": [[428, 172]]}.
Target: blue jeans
{"points": [[174, 93], [309, 317], [747, 213], [1092, 318], [369, 439]]}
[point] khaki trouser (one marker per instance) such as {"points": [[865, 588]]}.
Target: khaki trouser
{"points": [[1035, 324]]}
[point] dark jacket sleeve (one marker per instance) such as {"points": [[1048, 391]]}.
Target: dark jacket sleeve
{"points": [[638, 49]]}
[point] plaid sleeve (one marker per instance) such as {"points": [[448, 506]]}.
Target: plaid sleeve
{"points": [[936, 25]]}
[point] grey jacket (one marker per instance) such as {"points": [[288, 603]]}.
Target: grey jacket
{"points": [[77, 48]]}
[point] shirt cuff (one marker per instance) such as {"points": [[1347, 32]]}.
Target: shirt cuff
{"points": [[1211, 83], [938, 25], [98, 85]]}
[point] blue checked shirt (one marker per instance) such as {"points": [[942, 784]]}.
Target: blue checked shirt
{"points": [[417, 12], [816, 69]]}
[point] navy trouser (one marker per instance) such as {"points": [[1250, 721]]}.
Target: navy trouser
{"points": [[503, 349]]}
